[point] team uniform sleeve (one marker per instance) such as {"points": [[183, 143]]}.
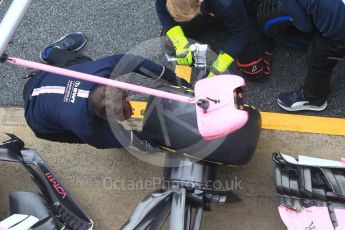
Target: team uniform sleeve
{"points": [[128, 63], [237, 22]]}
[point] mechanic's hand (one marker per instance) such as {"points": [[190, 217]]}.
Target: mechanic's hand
{"points": [[220, 65], [127, 108], [181, 44], [117, 105]]}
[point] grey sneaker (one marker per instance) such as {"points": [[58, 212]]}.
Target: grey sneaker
{"points": [[73, 41]]}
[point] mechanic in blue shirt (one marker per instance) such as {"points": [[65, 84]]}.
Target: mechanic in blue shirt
{"points": [[65, 109], [327, 19], [236, 18]]}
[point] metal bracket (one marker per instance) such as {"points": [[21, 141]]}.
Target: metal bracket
{"points": [[200, 53]]}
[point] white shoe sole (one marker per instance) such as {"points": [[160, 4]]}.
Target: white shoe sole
{"points": [[304, 107]]}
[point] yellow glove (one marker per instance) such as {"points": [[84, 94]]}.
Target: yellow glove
{"points": [[180, 42], [221, 64]]}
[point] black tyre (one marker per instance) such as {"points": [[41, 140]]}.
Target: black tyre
{"points": [[173, 125], [277, 24]]}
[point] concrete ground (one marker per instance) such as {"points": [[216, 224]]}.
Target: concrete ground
{"points": [[91, 175]]}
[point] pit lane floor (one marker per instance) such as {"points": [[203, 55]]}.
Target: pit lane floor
{"points": [[108, 183], [116, 26]]}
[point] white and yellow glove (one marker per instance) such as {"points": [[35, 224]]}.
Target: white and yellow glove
{"points": [[181, 44], [220, 65]]}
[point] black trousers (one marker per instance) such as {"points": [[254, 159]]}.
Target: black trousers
{"points": [[58, 58], [320, 67]]}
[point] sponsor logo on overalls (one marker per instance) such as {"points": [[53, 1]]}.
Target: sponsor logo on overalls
{"points": [[71, 91]]}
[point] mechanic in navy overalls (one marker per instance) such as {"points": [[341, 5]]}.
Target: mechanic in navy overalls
{"points": [[64, 109]]}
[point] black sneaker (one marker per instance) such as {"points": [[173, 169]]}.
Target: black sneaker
{"points": [[142, 146], [295, 101], [73, 41]]}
